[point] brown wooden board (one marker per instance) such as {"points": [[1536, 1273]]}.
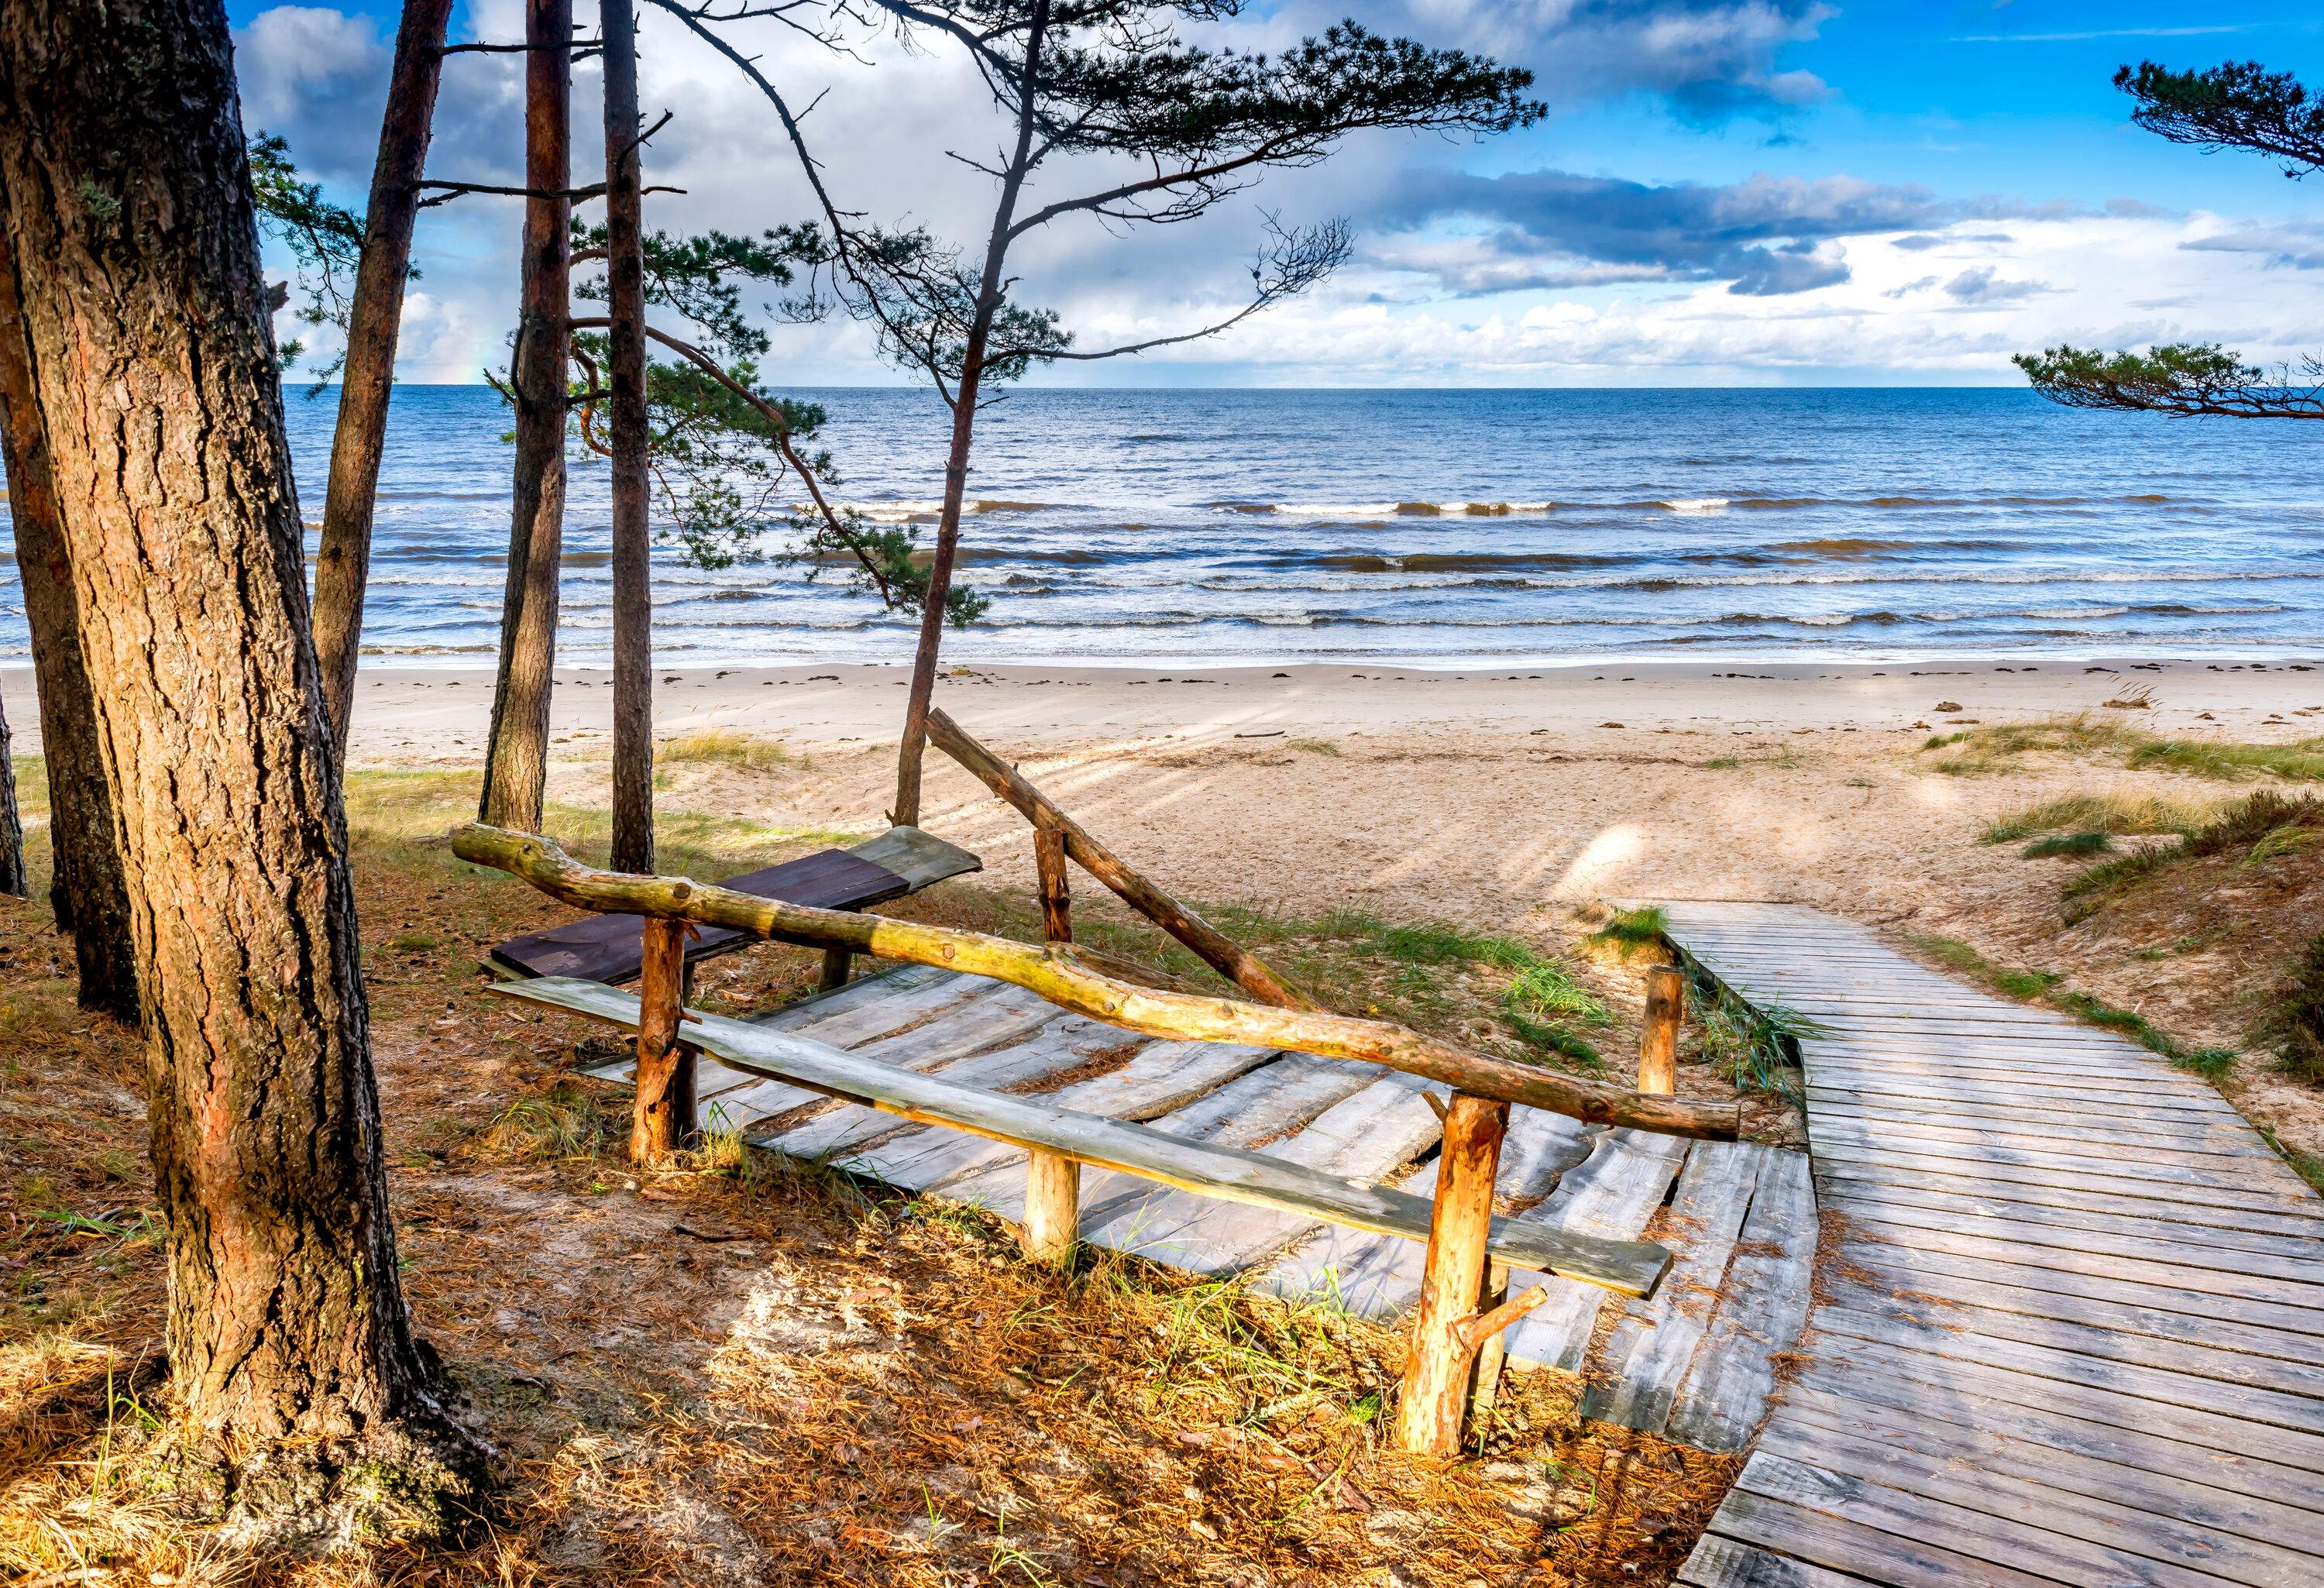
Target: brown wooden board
{"points": [[608, 947]]}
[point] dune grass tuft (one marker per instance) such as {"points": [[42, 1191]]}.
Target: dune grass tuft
{"points": [[2120, 814], [2028, 985], [1629, 933], [2091, 843], [725, 747], [2297, 1025], [2300, 762]]}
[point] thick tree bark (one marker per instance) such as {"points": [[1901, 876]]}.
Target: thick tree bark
{"points": [[87, 892], [292, 1358], [516, 761], [625, 278], [374, 321], [11, 824]]}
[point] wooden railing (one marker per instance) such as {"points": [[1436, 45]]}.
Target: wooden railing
{"points": [[1463, 1302]]}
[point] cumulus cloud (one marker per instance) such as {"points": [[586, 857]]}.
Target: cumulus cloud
{"points": [[1709, 59], [1921, 285]]}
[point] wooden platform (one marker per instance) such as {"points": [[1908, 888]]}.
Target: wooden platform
{"points": [[1694, 1362], [2068, 1325]]}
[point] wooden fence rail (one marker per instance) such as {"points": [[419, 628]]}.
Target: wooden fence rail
{"points": [[1057, 973]]}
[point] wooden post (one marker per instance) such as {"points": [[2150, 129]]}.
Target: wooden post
{"points": [[836, 962], [1436, 1373], [1485, 1377], [1658, 1044], [1056, 898], [662, 1117], [1053, 1206], [1225, 956]]}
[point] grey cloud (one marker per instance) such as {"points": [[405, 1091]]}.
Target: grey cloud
{"points": [[2297, 247], [1709, 59], [1909, 288], [1763, 234], [1978, 286]]}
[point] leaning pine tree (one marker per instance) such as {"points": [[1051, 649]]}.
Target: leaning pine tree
{"points": [[2238, 105], [1111, 93], [302, 1405]]}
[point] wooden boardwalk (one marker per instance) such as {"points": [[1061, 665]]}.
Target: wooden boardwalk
{"points": [[2069, 1318], [1695, 1363]]}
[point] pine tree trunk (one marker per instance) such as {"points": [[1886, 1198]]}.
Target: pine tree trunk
{"points": [[922, 695], [516, 761], [374, 321], [303, 1406], [87, 892], [633, 837], [12, 824]]}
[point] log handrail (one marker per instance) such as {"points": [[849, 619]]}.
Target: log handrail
{"points": [[1224, 954], [1057, 973]]}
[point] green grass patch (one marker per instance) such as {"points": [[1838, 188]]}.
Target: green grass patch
{"points": [[2039, 986], [1629, 933], [2300, 762], [2121, 814], [1980, 750], [2308, 1166], [2256, 830], [2296, 1025], [2070, 843], [1546, 988]]}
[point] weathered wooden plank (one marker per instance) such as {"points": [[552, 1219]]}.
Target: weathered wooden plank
{"points": [[1650, 1347], [2166, 1241], [844, 1134], [2133, 1295], [875, 988], [994, 1013], [1266, 1105], [1760, 1312], [1964, 1121], [2036, 1217], [2206, 1507], [2122, 1518], [2001, 1378], [2003, 1543], [1722, 1563], [1933, 1079], [1612, 1194], [1229, 1174], [1949, 1333], [2003, 1170], [2176, 1170], [922, 859], [2285, 1222], [2294, 1297], [1160, 1078], [1362, 1138], [1378, 1275], [2049, 1424], [1854, 1545], [2154, 1339]]}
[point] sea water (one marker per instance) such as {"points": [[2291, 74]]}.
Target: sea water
{"points": [[1442, 527]]}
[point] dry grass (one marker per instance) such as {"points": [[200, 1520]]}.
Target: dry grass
{"points": [[727, 747], [732, 1372]]}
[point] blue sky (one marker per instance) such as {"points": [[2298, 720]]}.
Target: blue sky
{"points": [[1727, 192]]}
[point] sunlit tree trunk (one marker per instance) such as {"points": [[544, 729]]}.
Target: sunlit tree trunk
{"points": [[87, 892], [374, 321], [302, 1406], [516, 761], [12, 823], [625, 279]]}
